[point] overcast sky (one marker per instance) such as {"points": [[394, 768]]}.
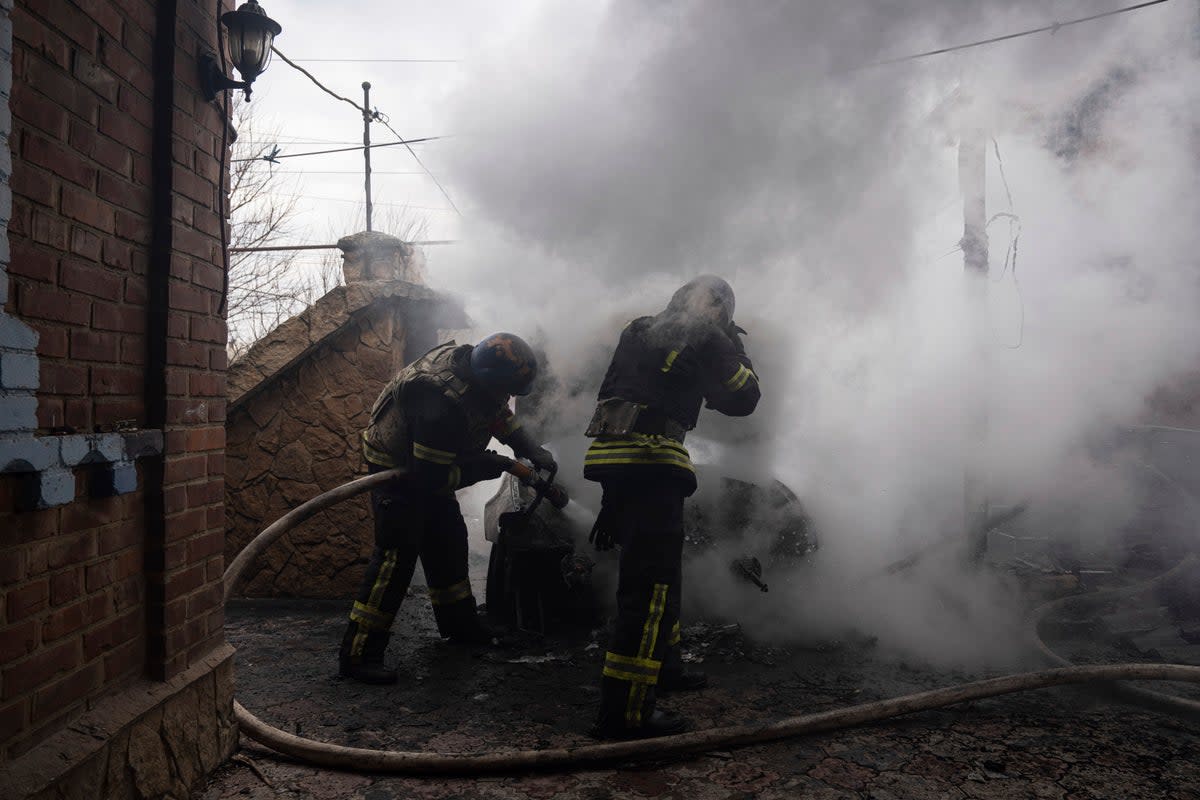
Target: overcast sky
{"points": [[411, 94]]}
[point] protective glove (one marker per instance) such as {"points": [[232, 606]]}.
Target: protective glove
{"points": [[542, 459], [602, 534], [686, 363], [483, 466], [524, 445], [735, 333]]}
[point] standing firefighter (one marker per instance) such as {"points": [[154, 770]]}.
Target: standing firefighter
{"points": [[434, 418], [664, 367]]}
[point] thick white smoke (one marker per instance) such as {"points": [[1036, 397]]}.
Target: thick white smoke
{"points": [[610, 154]]}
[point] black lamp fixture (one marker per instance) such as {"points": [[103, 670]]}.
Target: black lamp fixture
{"points": [[251, 34]]}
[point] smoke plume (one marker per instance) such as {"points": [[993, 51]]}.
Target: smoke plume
{"points": [[610, 154]]}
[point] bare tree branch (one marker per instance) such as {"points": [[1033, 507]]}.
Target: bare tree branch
{"points": [[267, 288], [264, 288]]}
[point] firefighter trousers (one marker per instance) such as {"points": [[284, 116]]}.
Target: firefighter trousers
{"points": [[647, 523], [408, 526]]}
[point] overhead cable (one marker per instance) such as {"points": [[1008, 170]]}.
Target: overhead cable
{"points": [[405, 142], [291, 247], [320, 85], [380, 60], [373, 202], [368, 115], [347, 172], [1014, 240], [416, 158], [222, 199], [1052, 28]]}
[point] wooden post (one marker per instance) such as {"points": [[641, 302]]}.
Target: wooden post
{"points": [[972, 171], [366, 87]]}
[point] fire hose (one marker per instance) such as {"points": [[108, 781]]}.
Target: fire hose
{"points": [[1081, 602], [1148, 697], [564, 758]]}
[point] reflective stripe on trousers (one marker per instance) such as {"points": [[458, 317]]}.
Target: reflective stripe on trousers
{"points": [[369, 615], [641, 670]]}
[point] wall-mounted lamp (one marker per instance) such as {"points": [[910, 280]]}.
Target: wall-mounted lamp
{"points": [[251, 34]]}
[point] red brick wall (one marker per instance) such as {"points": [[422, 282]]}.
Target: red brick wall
{"points": [[100, 591], [192, 614], [80, 229], [73, 617]]}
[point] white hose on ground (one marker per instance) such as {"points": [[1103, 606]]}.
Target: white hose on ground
{"points": [[357, 758], [1079, 602], [562, 758]]}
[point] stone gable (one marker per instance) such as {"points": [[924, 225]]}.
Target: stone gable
{"points": [[298, 401]]}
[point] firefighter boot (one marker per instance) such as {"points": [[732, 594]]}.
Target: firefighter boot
{"points": [[614, 720], [361, 656], [659, 723], [460, 623], [477, 633]]}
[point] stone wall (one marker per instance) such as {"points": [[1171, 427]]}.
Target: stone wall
{"points": [[299, 401], [298, 438], [159, 741]]}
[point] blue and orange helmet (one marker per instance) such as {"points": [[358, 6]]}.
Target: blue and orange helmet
{"points": [[505, 364]]}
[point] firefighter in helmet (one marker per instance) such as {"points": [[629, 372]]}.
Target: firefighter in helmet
{"points": [[435, 418], [664, 368]]}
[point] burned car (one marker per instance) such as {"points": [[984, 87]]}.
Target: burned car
{"points": [[540, 572]]}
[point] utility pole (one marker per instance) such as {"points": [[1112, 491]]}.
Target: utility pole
{"points": [[972, 175], [366, 87]]}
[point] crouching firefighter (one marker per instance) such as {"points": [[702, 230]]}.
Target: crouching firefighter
{"points": [[435, 418], [664, 367]]}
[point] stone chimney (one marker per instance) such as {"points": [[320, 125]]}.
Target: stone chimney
{"points": [[375, 256]]}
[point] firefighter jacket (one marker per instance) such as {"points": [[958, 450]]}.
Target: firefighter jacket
{"points": [[430, 418], [664, 368]]}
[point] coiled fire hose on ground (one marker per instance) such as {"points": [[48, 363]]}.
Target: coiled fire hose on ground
{"points": [[1181, 706], [1081, 602], [567, 758]]}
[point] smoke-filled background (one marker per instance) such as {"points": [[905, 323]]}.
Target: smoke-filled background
{"points": [[607, 154]]}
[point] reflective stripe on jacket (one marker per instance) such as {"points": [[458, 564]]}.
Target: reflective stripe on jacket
{"points": [[429, 416], [666, 367]]}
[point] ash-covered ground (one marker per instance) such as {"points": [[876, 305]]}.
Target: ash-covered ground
{"points": [[1064, 743]]}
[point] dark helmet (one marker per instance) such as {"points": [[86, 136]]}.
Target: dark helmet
{"points": [[708, 296], [504, 364]]}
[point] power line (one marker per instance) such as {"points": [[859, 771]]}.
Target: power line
{"points": [[1052, 28], [1014, 241], [373, 202], [346, 172], [284, 140], [299, 138], [291, 247], [379, 60], [368, 115], [416, 158], [406, 143], [320, 85], [222, 198]]}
